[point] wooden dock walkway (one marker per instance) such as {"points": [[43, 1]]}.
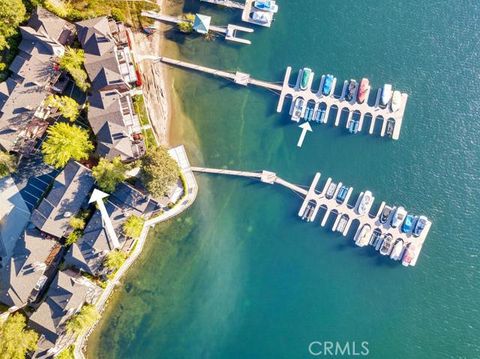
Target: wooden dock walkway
{"points": [[230, 31], [315, 200], [264, 176], [239, 78], [226, 3]]}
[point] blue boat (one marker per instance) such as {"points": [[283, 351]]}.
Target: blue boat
{"points": [[342, 194], [353, 126], [266, 5], [408, 224], [327, 85], [306, 74]]}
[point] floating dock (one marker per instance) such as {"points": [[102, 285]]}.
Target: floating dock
{"points": [[315, 200], [248, 11], [391, 121], [229, 32], [341, 105]]}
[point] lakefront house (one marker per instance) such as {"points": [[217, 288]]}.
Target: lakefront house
{"points": [[34, 75], [110, 68]]}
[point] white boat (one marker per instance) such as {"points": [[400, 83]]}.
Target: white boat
{"points": [[409, 255], [378, 242], [397, 250], [363, 236], [331, 190], [266, 5], [365, 203], [260, 17], [386, 94], [375, 237], [396, 99], [387, 245], [398, 217], [297, 109], [342, 223], [420, 226]]}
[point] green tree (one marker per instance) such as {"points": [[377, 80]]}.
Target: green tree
{"points": [[77, 223], [185, 27], [65, 142], [115, 259], [109, 173], [72, 61], [67, 106], [159, 171], [133, 226], [15, 340], [58, 7], [83, 320], [8, 164], [66, 353], [12, 13], [73, 237]]}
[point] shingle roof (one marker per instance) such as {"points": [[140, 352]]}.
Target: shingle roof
{"points": [[69, 192], [32, 72], [66, 295], [89, 251], [45, 22], [25, 268]]}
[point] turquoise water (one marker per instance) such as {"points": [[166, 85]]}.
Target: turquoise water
{"points": [[239, 275]]}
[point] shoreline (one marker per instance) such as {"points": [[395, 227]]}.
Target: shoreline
{"points": [[161, 104]]}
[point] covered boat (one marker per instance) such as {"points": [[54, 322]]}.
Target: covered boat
{"points": [[420, 225], [363, 90], [387, 245], [397, 250], [260, 17], [327, 85], [266, 5], [352, 89], [408, 224], [365, 203], [396, 99], [363, 236], [297, 109], [398, 216], [409, 255], [306, 73], [386, 94]]}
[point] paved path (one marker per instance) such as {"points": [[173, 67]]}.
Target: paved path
{"points": [[180, 156]]}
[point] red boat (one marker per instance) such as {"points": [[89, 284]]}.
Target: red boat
{"points": [[362, 92]]}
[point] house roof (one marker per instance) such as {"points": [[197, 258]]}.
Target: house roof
{"points": [[108, 121], [89, 251], [100, 58], [32, 72], [201, 23], [43, 21], [14, 216], [69, 192], [25, 268], [66, 295]]}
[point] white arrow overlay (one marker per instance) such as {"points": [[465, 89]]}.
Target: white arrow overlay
{"points": [[98, 196], [305, 127]]}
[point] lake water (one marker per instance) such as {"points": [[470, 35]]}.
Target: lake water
{"points": [[239, 275]]}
